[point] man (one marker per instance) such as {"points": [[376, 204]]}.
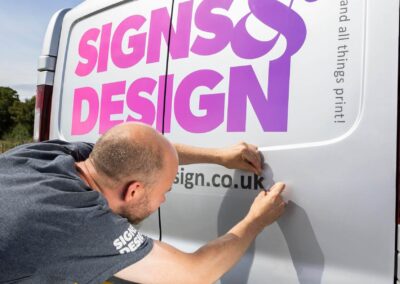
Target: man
{"points": [[67, 209]]}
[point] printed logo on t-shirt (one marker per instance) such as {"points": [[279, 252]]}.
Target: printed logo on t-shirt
{"points": [[128, 241]]}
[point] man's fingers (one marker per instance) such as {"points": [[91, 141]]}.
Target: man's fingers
{"points": [[261, 194], [252, 156], [281, 208], [277, 188], [249, 166], [253, 169], [256, 157]]}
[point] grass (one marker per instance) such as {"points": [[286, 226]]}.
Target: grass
{"points": [[6, 145]]}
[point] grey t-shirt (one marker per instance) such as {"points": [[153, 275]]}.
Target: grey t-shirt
{"points": [[55, 229]]}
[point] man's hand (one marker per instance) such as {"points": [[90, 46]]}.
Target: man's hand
{"points": [[212, 260], [242, 156], [268, 206]]}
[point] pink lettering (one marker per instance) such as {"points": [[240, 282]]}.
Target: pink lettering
{"points": [[89, 95], [110, 106], [88, 52], [164, 103], [136, 43], [139, 104], [104, 48], [160, 26]]}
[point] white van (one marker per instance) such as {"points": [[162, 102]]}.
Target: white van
{"points": [[313, 83]]}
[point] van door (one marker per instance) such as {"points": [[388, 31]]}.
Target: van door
{"points": [[111, 69], [314, 85]]}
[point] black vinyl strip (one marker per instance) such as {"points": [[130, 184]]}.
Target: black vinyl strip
{"points": [[165, 98]]}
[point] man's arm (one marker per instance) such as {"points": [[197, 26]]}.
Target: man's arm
{"points": [[166, 264], [241, 156]]}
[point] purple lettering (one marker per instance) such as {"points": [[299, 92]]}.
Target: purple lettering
{"points": [[212, 103], [243, 85], [272, 113], [282, 19], [275, 15], [245, 46], [221, 26]]}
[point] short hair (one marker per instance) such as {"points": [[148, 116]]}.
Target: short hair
{"points": [[120, 157]]}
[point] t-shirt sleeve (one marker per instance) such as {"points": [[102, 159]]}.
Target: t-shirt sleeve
{"points": [[102, 245], [119, 244], [80, 150]]}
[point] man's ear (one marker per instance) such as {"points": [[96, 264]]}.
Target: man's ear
{"points": [[134, 191]]}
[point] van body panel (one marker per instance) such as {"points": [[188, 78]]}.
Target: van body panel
{"points": [[312, 83], [292, 104], [340, 170], [52, 36]]}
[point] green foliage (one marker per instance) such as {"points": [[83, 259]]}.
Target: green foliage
{"points": [[23, 114], [16, 117], [8, 97], [18, 133]]}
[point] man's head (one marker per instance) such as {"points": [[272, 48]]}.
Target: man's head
{"points": [[135, 167]]}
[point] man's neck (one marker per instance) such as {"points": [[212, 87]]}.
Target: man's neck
{"points": [[88, 174]]}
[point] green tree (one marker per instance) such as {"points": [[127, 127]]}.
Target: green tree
{"points": [[23, 114], [18, 133], [8, 97]]}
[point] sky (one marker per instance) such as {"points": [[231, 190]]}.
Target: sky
{"points": [[23, 24]]}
